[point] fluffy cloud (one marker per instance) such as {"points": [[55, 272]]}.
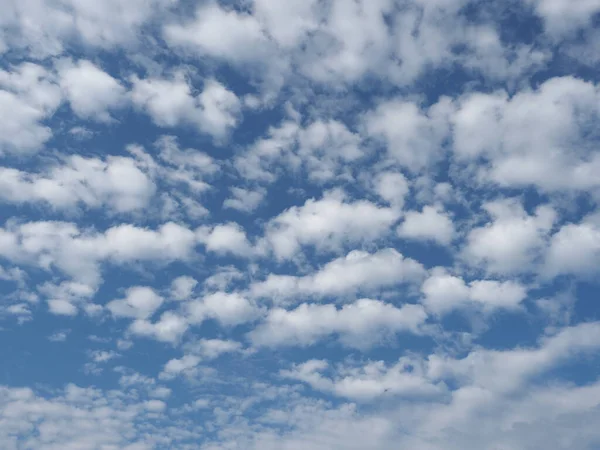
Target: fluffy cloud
{"points": [[78, 253], [392, 187], [512, 241], [266, 260], [360, 324], [203, 350], [229, 309], [562, 17], [80, 418], [182, 287], [117, 183], [169, 328], [28, 95], [430, 224], [367, 382], [574, 249], [226, 238], [444, 292], [90, 91], [140, 302], [171, 102], [357, 271], [535, 138], [327, 224], [45, 28], [204, 35], [244, 199], [412, 137], [324, 149]]}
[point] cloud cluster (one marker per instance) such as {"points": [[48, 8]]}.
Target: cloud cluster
{"points": [[366, 224]]}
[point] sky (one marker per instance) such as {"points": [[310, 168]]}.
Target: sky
{"points": [[299, 225]]}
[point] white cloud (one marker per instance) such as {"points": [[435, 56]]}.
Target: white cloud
{"points": [[182, 287], [349, 150], [392, 187], [101, 356], [368, 382], [360, 324], [140, 302], [430, 224], [202, 350], [287, 24], [91, 92], [563, 17], [352, 41], [169, 328], [325, 149], [67, 297], [42, 28], [220, 109], [229, 238], [59, 336], [509, 370], [172, 102], [116, 182], [83, 418], [177, 366], [536, 138], [327, 224], [213, 348], [28, 96], [444, 292], [512, 241], [412, 137], [245, 200], [234, 36], [229, 309], [357, 271], [79, 253], [574, 249]]}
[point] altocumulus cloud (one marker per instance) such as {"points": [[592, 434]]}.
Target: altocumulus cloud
{"points": [[300, 225]]}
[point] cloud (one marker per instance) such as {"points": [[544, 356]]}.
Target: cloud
{"points": [[574, 249], [512, 241], [78, 254], [203, 350], [90, 91], [140, 302], [327, 223], [169, 328], [244, 200], [547, 150], [392, 187], [324, 149], [204, 35], [171, 102], [229, 238], [361, 324], [562, 17], [372, 224], [229, 309], [429, 224], [80, 418], [412, 137], [46, 28], [117, 183], [444, 292], [28, 96], [368, 382], [358, 271], [182, 287]]}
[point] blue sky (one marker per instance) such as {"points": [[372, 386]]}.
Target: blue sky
{"points": [[299, 225]]}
